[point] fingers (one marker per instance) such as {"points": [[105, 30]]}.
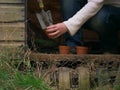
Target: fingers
{"points": [[51, 29], [56, 30], [54, 35], [52, 32], [51, 26]]}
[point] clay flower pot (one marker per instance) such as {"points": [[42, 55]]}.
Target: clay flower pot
{"points": [[64, 49], [82, 50]]}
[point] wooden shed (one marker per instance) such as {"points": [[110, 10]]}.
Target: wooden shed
{"points": [[20, 26], [12, 22]]}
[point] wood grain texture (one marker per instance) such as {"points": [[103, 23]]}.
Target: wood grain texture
{"points": [[10, 13], [12, 1]]}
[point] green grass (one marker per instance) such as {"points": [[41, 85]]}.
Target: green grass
{"points": [[29, 81], [14, 78], [18, 81], [11, 78], [117, 87]]}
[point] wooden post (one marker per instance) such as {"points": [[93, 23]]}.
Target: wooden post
{"points": [[84, 76], [64, 78]]}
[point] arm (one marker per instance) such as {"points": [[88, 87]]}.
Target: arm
{"points": [[75, 22], [89, 10]]}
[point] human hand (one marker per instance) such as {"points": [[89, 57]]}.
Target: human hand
{"points": [[56, 30]]}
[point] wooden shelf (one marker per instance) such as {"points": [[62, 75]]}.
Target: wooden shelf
{"points": [[74, 57]]}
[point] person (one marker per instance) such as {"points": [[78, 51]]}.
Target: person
{"points": [[101, 16]]}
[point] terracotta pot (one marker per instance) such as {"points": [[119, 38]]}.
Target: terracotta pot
{"points": [[64, 49], [82, 50]]}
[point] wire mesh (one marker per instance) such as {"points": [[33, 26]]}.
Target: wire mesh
{"points": [[77, 73]]}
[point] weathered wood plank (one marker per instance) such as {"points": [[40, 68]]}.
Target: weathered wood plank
{"points": [[12, 25], [103, 58], [84, 78], [11, 17], [11, 7], [11, 13], [11, 44], [64, 78], [12, 32], [12, 1]]}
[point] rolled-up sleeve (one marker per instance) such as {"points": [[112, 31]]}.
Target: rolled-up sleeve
{"points": [[90, 9]]}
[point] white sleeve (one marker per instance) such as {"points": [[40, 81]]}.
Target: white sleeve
{"points": [[89, 10]]}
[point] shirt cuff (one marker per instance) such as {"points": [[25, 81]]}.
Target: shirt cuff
{"points": [[72, 30]]}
